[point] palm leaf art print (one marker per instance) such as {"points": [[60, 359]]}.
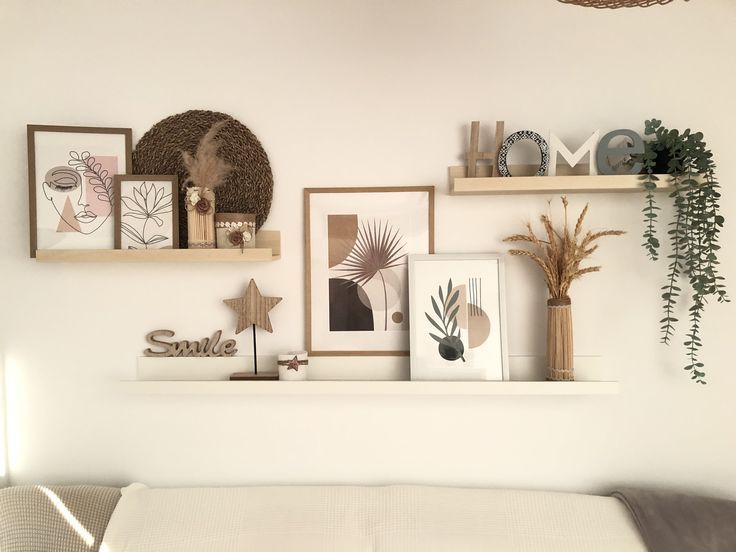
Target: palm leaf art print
{"points": [[450, 344], [378, 247]]}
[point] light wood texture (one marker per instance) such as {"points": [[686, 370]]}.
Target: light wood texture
{"points": [[473, 155], [268, 248], [559, 341], [564, 182], [253, 308], [205, 347], [426, 388]]}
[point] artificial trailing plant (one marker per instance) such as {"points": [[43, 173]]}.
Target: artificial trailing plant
{"points": [[693, 233]]}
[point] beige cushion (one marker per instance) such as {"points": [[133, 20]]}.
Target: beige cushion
{"points": [[55, 518]]}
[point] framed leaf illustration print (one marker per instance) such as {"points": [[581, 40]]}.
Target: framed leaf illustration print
{"points": [[146, 212], [70, 184], [357, 243], [458, 317]]}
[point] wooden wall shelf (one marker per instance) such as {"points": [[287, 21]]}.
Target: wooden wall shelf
{"points": [[268, 248], [427, 388], [564, 183]]}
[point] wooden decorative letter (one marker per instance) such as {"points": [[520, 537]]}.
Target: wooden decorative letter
{"points": [[205, 347], [557, 147], [473, 155]]}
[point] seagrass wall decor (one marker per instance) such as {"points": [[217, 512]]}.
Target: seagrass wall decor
{"points": [[248, 187]]}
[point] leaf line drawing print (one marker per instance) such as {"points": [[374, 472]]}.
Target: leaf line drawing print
{"points": [[450, 343], [146, 203]]}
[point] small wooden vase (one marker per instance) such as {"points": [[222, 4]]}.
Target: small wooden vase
{"points": [[559, 340], [200, 204]]}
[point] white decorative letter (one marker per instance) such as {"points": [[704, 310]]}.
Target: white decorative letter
{"points": [[556, 146]]}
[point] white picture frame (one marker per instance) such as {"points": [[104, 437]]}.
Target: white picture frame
{"points": [[457, 317]]}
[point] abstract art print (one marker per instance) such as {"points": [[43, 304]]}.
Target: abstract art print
{"points": [[458, 322], [70, 183], [146, 212], [357, 246]]}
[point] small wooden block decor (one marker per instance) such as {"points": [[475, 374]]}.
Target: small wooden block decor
{"points": [[357, 242], [70, 185], [205, 347], [253, 308], [146, 212]]}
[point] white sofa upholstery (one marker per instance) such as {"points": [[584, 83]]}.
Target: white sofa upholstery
{"points": [[366, 519]]}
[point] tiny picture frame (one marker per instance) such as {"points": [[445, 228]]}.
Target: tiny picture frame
{"points": [[70, 184], [457, 317], [146, 211]]}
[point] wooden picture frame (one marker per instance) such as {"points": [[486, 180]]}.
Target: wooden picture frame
{"points": [[148, 202], [348, 300], [72, 168], [458, 317]]}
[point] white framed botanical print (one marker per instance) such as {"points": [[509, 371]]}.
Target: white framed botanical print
{"points": [[70, 183], [357, 242], [458, 317], [146, 212]]}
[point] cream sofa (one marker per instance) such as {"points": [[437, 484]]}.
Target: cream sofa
{"points": [[366, 519]]}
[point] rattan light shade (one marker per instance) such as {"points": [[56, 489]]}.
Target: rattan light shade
{"points": [[615, 3]]}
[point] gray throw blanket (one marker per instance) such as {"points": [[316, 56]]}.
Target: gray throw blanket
{"points": [[674, 522]]}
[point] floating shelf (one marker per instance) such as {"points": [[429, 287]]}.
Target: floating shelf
{"points": [[268, 248], [431, 388], [460, 184]]}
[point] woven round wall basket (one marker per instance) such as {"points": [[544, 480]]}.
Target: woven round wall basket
{"points": [[249, 186]]}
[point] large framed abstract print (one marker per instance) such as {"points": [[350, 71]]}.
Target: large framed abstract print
{"points": [[357, 245], [70, 184], [458, 320]]}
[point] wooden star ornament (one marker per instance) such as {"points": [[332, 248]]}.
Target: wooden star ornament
{"points": [[253, 308]]}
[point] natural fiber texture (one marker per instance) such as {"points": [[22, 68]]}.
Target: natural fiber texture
{"points": [[248, 188], [206, 168], [37, 519], [559, 340], [616, 3], [560, 255]]}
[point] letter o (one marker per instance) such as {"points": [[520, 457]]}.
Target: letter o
{"points": [[503, 168]]}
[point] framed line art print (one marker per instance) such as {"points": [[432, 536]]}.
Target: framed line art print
{"points": [[458, 317], [357, 242], [70, 184], [146, 212]]}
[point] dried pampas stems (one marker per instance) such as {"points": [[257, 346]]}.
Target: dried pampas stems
{"points": [[560, 255], [206, 168]]}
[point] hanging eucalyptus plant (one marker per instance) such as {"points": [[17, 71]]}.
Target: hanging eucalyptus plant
{"points": [[693, 233]]}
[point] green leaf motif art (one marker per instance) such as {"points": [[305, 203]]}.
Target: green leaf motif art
{"points": [[450, 341]]}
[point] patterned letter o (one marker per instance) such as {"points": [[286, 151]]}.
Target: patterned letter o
{"points": [[503, 168]]}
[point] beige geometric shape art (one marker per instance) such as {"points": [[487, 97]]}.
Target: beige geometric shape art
{"points": [[68, 215], [479, 327], [342, 232]]}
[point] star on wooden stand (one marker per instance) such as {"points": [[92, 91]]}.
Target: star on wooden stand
{"points": [[253, 309]]}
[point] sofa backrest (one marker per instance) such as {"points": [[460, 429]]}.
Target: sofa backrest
{"points": [[55, 518]]}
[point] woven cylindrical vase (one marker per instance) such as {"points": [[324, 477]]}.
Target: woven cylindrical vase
{"points": [[559, 340], [200, 204], [235, 230]]}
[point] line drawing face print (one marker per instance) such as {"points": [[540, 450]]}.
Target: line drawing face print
{"points": [[81, 192]]}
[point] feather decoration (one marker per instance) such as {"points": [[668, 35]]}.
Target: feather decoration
{"points": [[206, 168]]}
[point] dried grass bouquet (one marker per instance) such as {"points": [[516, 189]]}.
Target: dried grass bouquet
{"points": [[206, 168], [560, 254]]}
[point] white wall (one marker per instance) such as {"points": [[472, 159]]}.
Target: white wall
{"points": [[362, 93]]}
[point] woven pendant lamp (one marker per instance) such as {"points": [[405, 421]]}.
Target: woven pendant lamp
{"points": [[616, 3]]}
